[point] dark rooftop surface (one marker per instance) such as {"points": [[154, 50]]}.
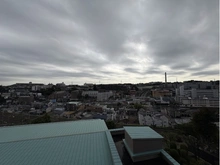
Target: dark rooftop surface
{"points": [[125, 157]]}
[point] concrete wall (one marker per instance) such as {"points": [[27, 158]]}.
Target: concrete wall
{"points": [[147, 145], [143, 145], [129, 141], [145, 157]]}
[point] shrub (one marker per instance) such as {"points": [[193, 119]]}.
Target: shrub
{"points": [[110, 124], [172, 136], [183, 153], [43, 119], [174, 153], [167, 149], [183, 161], [173, 145], [178, 138], [184, 147]]}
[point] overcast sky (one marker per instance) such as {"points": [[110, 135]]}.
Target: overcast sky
{"points": [[108, 41]]}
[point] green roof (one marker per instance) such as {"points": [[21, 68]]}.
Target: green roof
{"points": [[142, 133], [36, 131], [83, 142], [85, 149]]}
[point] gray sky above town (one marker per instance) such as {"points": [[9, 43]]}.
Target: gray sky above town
{"points": [[102, 41]]}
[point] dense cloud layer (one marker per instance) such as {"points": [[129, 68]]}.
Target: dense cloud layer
{"points": [[103, 41]]}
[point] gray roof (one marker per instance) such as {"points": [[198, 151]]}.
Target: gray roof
{"points": [[142, 133]]}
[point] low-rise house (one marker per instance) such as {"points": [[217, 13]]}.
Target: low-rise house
{"points": [[25, 100], [72, 106], [60, 95], [59, 110], [68, 114]]}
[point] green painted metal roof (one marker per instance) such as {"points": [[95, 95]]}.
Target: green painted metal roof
{"points": [[84, 149], [115, 157], [142, 133], [81, 142], [36, 131]]}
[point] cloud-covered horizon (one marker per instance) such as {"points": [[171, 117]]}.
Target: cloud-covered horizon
{"points": [[104, 41]]}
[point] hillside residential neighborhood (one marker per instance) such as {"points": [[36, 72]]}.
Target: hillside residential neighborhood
{"points": [[157, 105]]}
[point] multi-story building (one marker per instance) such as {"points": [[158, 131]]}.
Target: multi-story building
{"points": [[193, 93], [198, 94], [200, 102], [161, 93], [103, 96], [90, 93]]}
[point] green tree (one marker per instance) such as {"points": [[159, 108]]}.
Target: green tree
{"points": [[43, 119], [2, 100], [3, 89], [183, 161], [174, 153], [86, 96], [173, 145], [110, 124], [203, 124], [94, 87], [183, 153], [184, 147], [48, 91], [138, 106]]}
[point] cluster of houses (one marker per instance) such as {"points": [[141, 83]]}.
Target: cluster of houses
{"points": [[110, 101]]}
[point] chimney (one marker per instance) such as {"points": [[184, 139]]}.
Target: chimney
{"points": [[165, 77]]}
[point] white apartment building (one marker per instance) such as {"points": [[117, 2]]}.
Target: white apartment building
{"points": [[193, 93], [103, 96], [90, 93], [203, 102]]}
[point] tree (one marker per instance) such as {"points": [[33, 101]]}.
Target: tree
{"points": [[137, 106], [94, 87], [43, 119], [203, 124], [86, 96], [174, 153], [183, 161], [110, 124], [183, 153], [48, 91], [118, 104], [2, 100], [3, 89], [184, 147], [173, 145]]}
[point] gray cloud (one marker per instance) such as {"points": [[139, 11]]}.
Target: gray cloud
{"points": [[108, 40], [205, 73]]}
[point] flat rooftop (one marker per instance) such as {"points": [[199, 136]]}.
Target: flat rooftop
{"points": [[126, 159], [142, 133]]}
